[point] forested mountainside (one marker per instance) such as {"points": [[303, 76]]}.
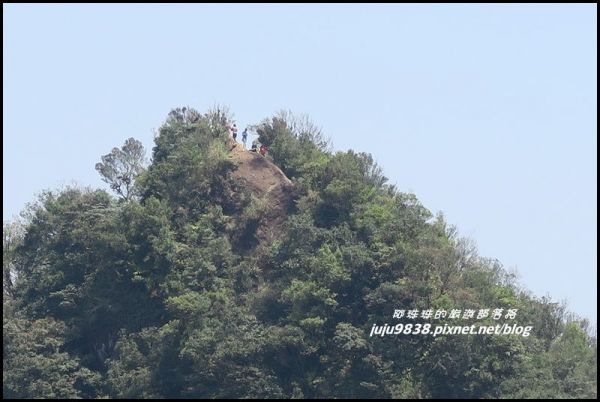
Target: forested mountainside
{"points": [[218, 272]]}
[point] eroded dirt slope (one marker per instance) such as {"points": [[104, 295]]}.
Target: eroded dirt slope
{"points": [[266, 181]]}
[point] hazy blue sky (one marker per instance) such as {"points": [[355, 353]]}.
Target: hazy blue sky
{"points": [[485, 112]]}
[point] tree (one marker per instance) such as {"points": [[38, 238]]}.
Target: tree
{"points": [[12, 237], [296, 144], [79, 264], [35, 366], [122, 166]]}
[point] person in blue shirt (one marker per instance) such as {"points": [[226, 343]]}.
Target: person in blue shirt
{"points": [[245, 136]]}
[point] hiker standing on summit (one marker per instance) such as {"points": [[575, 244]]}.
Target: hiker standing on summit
{"points": [[245, 136], [234, 131]]}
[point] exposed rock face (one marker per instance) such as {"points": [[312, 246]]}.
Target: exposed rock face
{"points": [[266, 181]]}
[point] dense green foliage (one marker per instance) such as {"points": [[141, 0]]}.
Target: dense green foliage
{"points": [[121, 167], [159, 296]]}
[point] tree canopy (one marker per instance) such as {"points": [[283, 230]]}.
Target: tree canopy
{"points": [[122, 166]]}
